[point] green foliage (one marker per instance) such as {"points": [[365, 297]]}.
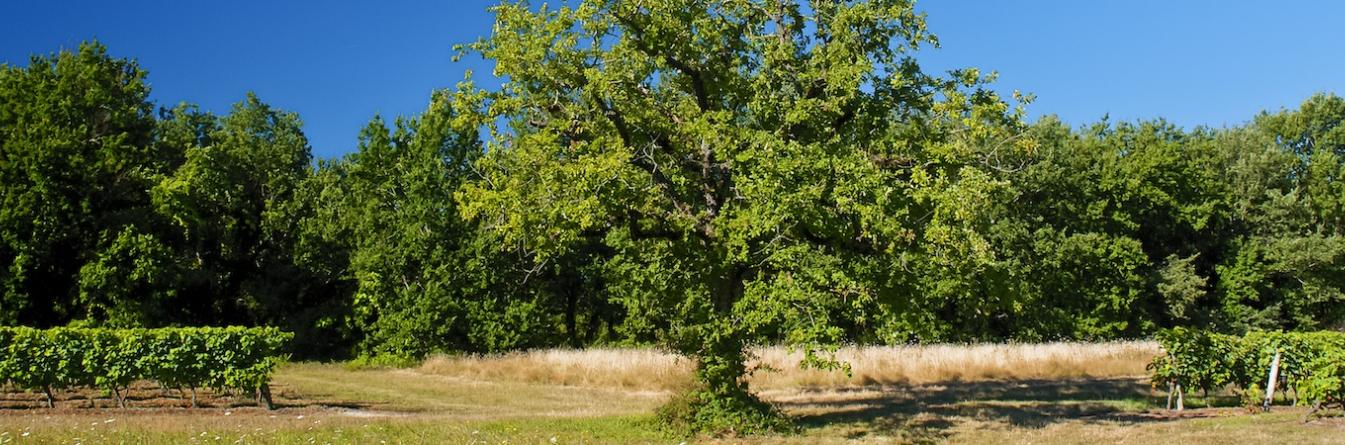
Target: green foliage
{"points": [[1324, 384], [424, 280], [75, 163], [754, 171], [233, 205], [709, 176], [115, 218], [1195, 359], [1180, 285], [1310, 362], [700, 410], [233, 358], [1287, 268], [132, 282], [1251, 398], [1285, 281]]}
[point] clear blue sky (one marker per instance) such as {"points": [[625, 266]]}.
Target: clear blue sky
{"points": [[336, 63]]}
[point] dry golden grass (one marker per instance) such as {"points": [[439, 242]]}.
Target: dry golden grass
{"points": [[925, 364], [408, 391], [631, 369], [652, 370]]}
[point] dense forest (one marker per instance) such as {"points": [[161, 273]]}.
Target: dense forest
{"points": [[703, 180]]}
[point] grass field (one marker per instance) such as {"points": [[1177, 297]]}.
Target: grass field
{"points": [[1040, 394]]}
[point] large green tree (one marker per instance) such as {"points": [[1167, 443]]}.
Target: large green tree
{"points": [[1286, 265], [76, 162], [760, 170], [234, 207]]}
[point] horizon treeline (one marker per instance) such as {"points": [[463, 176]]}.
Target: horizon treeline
{"points": [[118, 213]]}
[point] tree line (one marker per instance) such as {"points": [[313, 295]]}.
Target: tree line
{"points": [[704, 178]]}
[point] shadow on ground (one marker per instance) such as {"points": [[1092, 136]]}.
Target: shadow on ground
{"points": [[148, 396], [928, 413]]}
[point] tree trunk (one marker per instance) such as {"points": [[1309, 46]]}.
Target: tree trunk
{"points": [[722, 357], [264, 397], [593, 325], [721, 367], [51, 399], [1317, 406], [571, 316], [721, 403], [193, 397]]}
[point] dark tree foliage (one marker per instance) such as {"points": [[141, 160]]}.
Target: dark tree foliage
{"points": [[76, 165]]}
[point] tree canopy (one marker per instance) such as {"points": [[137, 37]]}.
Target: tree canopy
{"points": [[750, 166]]}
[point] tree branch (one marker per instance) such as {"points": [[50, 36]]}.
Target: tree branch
{"points": [[697, 80]]}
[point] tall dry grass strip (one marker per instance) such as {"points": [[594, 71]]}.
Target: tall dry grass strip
{"points": [[924, 364], [653, 370], [632, 368]]}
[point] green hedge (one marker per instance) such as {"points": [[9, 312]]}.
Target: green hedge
{"points": [[224, 358], [1312, 363]]}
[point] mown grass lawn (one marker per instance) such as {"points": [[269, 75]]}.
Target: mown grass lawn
{"points": [[333, 403]]}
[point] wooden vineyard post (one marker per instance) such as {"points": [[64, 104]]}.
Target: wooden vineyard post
{"points": [[1270, 382], [1181, 397], [1171, 390]]}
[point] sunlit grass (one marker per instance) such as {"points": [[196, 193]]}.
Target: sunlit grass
{"points": [[1224, 427], [1044, 394], [317, 428]]}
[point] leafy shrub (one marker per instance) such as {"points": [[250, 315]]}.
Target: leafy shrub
{"points": [[1324, 384], [1195, 359], [227, 358], [697, 411], [1313, 363], [34, 362]]}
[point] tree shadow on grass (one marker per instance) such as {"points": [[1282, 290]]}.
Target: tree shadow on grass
{"points": [[928, 413]]}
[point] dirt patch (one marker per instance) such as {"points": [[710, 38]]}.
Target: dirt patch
{"points": [[368, 414]]}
